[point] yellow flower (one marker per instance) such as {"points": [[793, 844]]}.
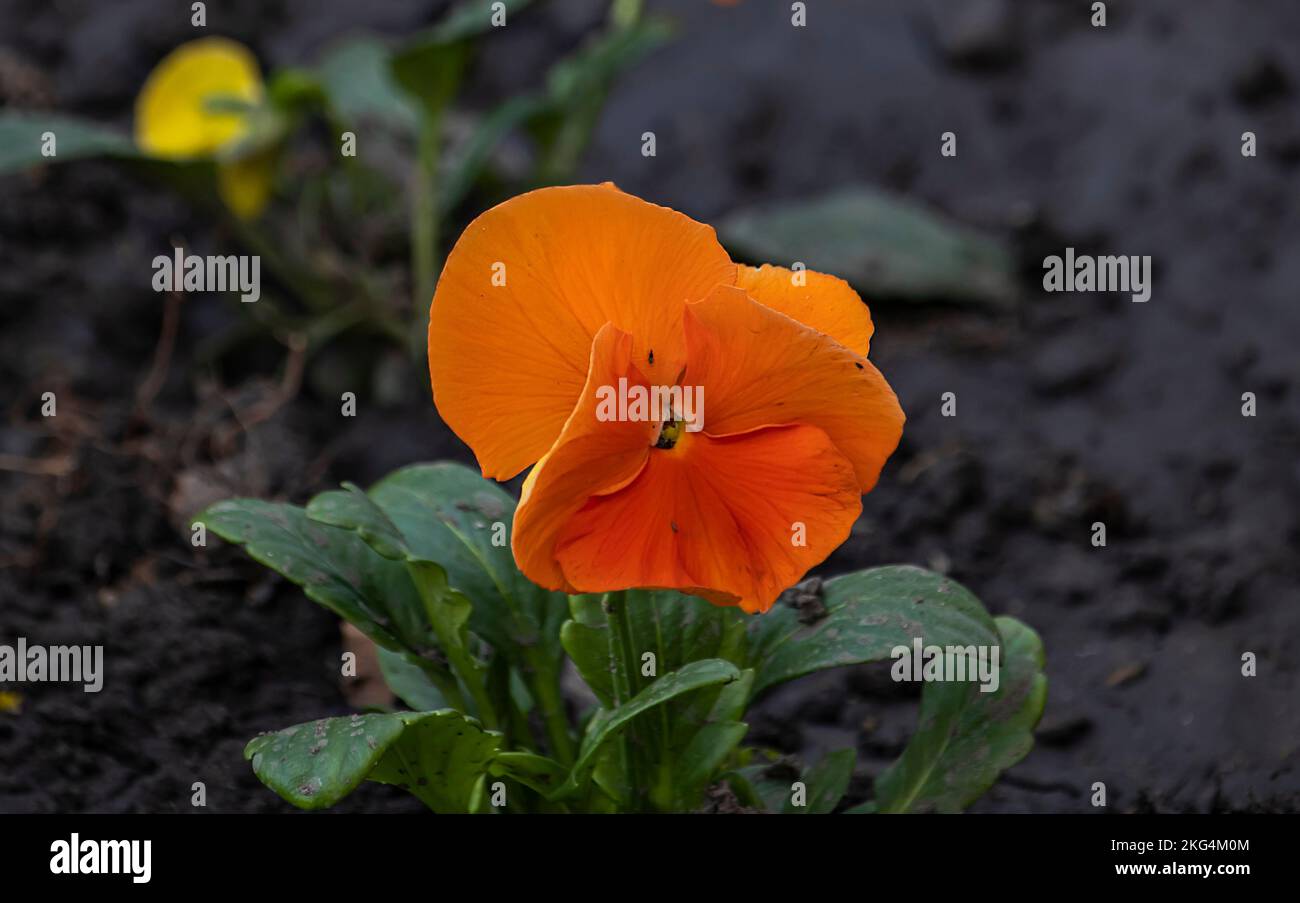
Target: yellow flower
{"points": [[189, 109]]}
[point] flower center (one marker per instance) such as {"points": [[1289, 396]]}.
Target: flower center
{"points": [[669, 433]]}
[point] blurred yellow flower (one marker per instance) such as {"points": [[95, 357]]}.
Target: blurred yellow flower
{"points": [[189, 108], [245, 184]]}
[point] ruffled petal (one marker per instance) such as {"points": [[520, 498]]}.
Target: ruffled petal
{"points": [[591, 456], [524, 292], [826, 303], [736, 519], [760, 368]]}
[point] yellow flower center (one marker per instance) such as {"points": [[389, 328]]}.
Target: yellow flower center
{"points": [[670, 433]]}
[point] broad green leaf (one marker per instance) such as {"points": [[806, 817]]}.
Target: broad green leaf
{"points": [[442, 758], [867, 614], [885, 246], [447, 514], [772, 785], [587, 608], [767, 785], [352, 509], [21, 139], [333, 567], [588, 648], [409, 682], [607, 723], [438, 756], [430, 73], [360, 85], [536, 772], [827, 782], [965, 737], [449, 526], [704, 754]]}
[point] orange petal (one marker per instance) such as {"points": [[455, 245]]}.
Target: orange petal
{"points": [[721, 518], [760, 368], [508, 361], [826, 303], [591, 456]]}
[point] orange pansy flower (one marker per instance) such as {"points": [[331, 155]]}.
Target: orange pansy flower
{"points": [[553, 298]]}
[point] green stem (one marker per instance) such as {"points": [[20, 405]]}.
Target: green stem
{"points": [[561, 159], [546, 690], [633, 749]]}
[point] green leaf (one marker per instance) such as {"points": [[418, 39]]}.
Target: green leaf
{"points": [[438, 756], [827, 782], [536, 772], [966, 738], [883, 245], [472, 160], [295, 91], [447, 514], [450, 527], [469, 19], [430, 73], [357, 78], [607, 722], [703, 756], [352, 509], [867, 614], [576, 88], [594, 67], [21, 140], [333, 567], [770, 785], [588, 648], [766, 785], [676, 630], [409, 682]]}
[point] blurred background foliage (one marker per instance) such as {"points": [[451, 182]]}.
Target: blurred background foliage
{"points": [[335, 231], [355, 241]]}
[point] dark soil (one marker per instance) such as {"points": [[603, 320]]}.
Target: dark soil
{"points": [[1071, 408]]}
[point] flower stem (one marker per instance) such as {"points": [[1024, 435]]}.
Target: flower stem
{"points": [[621, 648], [546, 689]]}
